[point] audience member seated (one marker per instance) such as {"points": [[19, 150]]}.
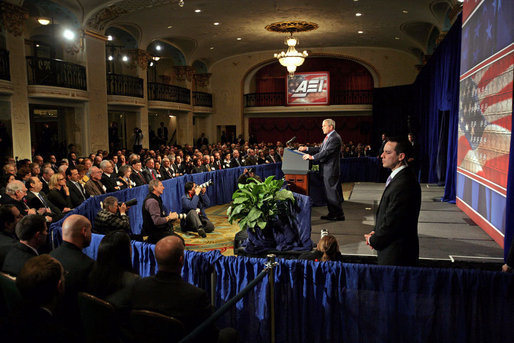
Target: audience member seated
{"points": [[45, 178], [94, 186], [14, 195], [5, 180], [9, 217], [124, 180], [156, 223], [165, 170], [38, 200], [41, 284], [112, 217], [77, 192], [108, 176], [32, 232], [149, 170], [112, 275], [194, 203], [326, 250], [59, 193], [167, 293], [137, 174]]}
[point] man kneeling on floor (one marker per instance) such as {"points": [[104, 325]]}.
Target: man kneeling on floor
{"points": [[194, 203]]}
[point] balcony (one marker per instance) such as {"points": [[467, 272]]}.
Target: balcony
{"points": [[57, 73], [347, 97], [5, 73], [202, 99], [170, 93], [124, 85]]}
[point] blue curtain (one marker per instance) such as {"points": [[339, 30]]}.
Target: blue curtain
{"points": [[509, 207]]}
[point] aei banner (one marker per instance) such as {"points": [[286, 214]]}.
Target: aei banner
{"points": [[308, 89]]}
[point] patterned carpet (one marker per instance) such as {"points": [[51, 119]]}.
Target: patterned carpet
{"points": [[221, 239]]}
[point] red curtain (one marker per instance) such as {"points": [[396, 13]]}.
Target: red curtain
{"points": [[308, 129]]}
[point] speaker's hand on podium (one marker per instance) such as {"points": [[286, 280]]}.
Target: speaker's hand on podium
{"points": [[307, 157], [302, 148]]}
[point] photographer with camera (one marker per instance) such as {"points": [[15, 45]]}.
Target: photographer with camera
{"points": [[156, 223], [248, 176], [137, 138], [112, 217], [194, 203]]}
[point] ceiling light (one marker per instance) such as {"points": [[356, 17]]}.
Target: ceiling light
{"points": [[37, 45], [358, 14], [198, 11], [156, 58], [158, 47], [68, 34], [151, 63], [124, 58], [109, 37], [405, 11], [171, 116], [239, 38], [212, 48], [360, 32], [216, 24], [169, 27], [43, 21], [460, 0], [181, 3], [291, 58], [397, 38], [110, 58]]}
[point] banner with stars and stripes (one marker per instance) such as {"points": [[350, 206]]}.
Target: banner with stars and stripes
{"points": [[485, 112]]}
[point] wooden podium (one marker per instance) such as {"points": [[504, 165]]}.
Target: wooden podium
{"points": [[296, 170]]}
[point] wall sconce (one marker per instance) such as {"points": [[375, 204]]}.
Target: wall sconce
{"points": [[44, 21]]}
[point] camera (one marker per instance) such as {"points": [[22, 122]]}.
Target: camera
{"points": [[206, 184], [131, 202]]}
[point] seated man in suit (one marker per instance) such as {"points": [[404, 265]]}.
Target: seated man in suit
{"points": [[112, 217], [109, 178], [38, 200], [45, 178], [15, 193], [149, 171], [167, 293], [194, 203], [9, 217], [137, 174], [32, 232], [94, 186], [77, 192]]}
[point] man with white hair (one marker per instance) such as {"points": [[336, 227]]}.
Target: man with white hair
{"points": [[94, 186], [15, 193], [108, 177]]}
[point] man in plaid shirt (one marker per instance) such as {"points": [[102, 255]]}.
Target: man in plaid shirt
{"points": [[112, 217]]}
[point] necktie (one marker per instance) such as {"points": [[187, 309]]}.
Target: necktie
{"points": [[81, 189], [42, 200], [388, 180]]}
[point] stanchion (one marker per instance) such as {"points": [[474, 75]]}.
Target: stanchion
{"points": [[270, 266]]}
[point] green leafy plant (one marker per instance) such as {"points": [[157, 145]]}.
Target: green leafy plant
{"points": [[257, 203]]}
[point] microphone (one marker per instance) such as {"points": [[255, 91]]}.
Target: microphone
{"points": [[291, 140]]}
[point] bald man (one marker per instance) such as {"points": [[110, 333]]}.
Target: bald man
{"points": [[168, 294]]}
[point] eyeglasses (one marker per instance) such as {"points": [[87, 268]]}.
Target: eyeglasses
{"points": [[60, 179]]}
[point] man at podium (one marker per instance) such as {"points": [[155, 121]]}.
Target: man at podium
{"points": [[329, 165]]}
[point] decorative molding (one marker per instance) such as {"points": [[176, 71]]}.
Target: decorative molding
{"points": [[6, 87], [104, 16], [37, 91], [183, 73], [202, 80], [125, 100], [291, 26], [12, 18], [94, 34], [139, 58]]}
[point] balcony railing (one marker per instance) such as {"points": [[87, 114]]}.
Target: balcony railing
{"points": [[52, 72], [5, 74], [164, 92], [202, 99], [349, 97], [124, 85], [265, 99]]}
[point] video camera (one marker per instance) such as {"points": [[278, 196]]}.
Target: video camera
{"points": [[206, 184]]}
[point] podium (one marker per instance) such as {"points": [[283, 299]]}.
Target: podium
{"points": [[296, 170]]}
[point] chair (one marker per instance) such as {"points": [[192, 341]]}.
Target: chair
{"points": [[11, 297], [153, 327], [99, 319]]}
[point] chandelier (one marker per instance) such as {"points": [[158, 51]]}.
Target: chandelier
{"points": [[291, 58]]}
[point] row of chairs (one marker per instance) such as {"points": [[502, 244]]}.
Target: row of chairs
{"points": [[100, 319]]}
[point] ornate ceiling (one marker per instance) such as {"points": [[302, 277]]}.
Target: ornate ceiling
{"points": [[242, 23]]}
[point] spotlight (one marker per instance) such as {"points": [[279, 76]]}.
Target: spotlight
{"points": [[124, 58], [43, 21], [110, 58], [109, 37], [158, 47], [68, 34]]}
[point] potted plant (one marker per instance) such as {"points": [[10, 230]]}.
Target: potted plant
{"points": [[264, 210]]}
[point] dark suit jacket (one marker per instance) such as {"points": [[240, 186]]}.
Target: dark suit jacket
{"points": [[396, 227], [76, 263], [147, 173], [109, 182], [168, 294], [34, 202], [7, 241], [77, 197], [138, 178], [328, 156], [166, 174], [16, 258], [20, 205], [45, 186]]}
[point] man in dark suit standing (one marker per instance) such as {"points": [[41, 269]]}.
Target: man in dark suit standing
{"points": [[395, 236], [328, 157]]}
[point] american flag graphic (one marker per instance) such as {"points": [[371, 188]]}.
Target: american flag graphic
{"points": [[485, 121]]}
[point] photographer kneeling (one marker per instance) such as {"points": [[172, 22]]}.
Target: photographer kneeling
{"points": [[194, 203], [112, 217]]}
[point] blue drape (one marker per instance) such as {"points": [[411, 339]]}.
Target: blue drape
{"points": [[509, 206]]}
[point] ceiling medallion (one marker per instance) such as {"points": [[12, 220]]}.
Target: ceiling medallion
{"points": [[291, 59]]}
